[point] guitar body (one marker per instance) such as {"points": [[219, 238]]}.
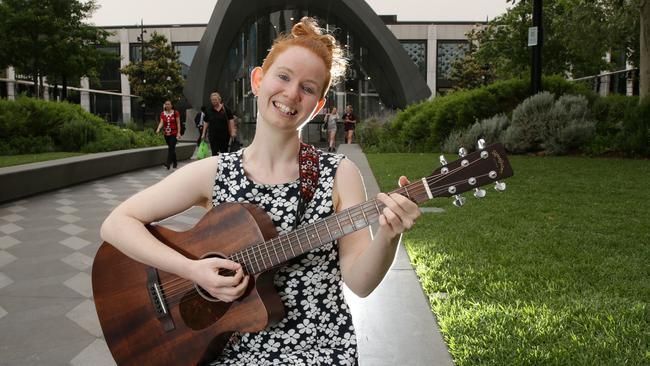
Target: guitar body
{"points": [[194, 329]]}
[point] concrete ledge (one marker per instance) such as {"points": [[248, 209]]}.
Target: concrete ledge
{"points": [[29, 179]]}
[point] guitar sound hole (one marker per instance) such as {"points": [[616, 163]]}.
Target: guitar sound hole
{"points": [[224, 272]]}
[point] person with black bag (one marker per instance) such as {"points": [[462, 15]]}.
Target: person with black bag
{"points": [[219, 124], [198, 121]]}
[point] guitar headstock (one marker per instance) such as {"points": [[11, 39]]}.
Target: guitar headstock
{"points": [[471, 171]]}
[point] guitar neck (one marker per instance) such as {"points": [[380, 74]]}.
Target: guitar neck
{"points": [[465, 174], [283, 248]]}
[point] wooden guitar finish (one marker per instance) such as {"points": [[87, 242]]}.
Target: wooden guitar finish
{"points": [[197, 329], [150, 317]]}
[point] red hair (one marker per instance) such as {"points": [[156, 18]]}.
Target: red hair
{"points": [[307, 34]]}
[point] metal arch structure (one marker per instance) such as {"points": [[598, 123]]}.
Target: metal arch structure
{"points": [[393, 73]]}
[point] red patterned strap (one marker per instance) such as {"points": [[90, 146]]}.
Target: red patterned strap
{"points": [[309, 161]]}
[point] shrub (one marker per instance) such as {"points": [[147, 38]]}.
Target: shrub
{"points": [[634, 138], [526, 132], [569, 125], [425, 125], [489, 129], [610, 114], [33, 126], [26, 145], [74, 134]]}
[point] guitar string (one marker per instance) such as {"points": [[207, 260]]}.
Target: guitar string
{"points": [[417, 190], [177, 297], [170, 293]]}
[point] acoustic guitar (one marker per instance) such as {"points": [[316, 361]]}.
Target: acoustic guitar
{"points": [[150, 317]]}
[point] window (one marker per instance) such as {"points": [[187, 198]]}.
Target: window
{"points": [[417, 51], [448, 53], [186, 55]]}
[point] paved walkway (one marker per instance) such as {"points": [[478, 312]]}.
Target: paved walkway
{"points": [[47, 316]]}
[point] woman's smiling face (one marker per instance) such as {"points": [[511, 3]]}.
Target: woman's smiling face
{"points": [[289, 91]]}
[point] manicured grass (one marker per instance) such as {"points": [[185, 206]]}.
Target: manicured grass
{"points": [[555, 271], [9, 160]]}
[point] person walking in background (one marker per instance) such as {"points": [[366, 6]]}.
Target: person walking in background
{"points": [[350, 122], [170, 123], [219, 124], [199, 120], [332, 119]]}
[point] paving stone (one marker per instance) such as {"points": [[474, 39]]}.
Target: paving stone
{"points": [[3, 312], [96, 354], [10, 228], [12, 218], [69, 218], [8, 242], [74, 242], [16, 209], [6, 258], [82, 283], [432, 209], [65, 202], [85, 315], [78, 260], [5, 280], [108, 196], [112, 202], [67, 209], [72, 229]]}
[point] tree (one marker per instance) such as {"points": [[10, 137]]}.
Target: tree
{"points": [[158, 75], [468, 73], [77, 52], [644, 63], [577, 34], [49, 38]]}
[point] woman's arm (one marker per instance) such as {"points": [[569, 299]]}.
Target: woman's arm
{"points": [[178, 125], [366, 259], [232, 127], [160, 124], [124, 228]]}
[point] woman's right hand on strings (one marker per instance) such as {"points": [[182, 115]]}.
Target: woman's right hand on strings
{"points": [[206, 273]]}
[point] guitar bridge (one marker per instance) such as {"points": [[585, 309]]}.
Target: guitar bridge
{"points": [[157, 297]]}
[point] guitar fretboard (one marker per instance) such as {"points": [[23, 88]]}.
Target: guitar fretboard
{"points": [[283, 248], [468, 173]]}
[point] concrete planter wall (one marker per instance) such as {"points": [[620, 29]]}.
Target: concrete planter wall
{"points": [[29, 179]]}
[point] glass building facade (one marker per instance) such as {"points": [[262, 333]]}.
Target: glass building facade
{"points": [[255, 38], [108, 106]]}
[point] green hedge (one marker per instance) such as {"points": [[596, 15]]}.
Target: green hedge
{"points": [[424, 126], [33, 126]]}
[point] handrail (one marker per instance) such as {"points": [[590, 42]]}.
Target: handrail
{"points": [[27, 82], [604, 74]]}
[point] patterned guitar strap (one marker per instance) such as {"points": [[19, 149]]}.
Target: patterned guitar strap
{"points": [[309, 161]]}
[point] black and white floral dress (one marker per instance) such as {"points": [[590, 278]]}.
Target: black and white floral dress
{"points": [[317, 328]]}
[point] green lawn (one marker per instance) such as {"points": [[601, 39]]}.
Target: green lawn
{"points": [[555, 271], [9, 160]]}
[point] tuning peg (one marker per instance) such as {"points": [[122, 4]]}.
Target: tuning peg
{"points": [[443, 161], [479, 192], [480, 144], [462, 152], [499, 186], [459, 200]]}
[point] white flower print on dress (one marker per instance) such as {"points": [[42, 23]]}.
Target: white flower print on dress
{"points": [[317, 328]]}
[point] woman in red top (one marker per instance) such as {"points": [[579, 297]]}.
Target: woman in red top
{"points": [[170, 122]]}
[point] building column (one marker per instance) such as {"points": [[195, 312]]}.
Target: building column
{"points": [[125, 86], [84, 94], [46, 89], [11, 85], [432, 57]]}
